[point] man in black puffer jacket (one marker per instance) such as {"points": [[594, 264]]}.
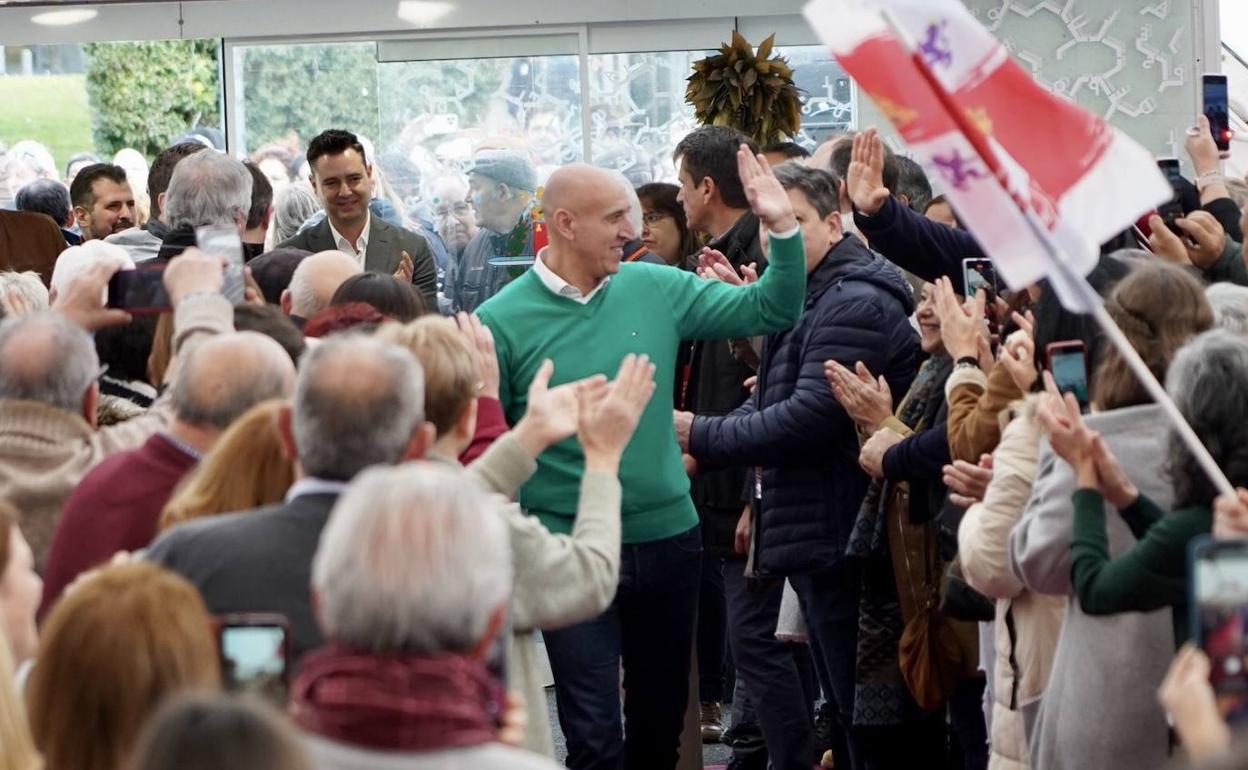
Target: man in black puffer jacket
{"points": [[857, 309]]}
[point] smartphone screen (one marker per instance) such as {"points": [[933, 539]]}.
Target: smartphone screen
{"points": [[139, 291], [254, 656], [980, 274], [1219, 601], [1173, 208], [1069, 367], [1217, 110], [225, 242]]}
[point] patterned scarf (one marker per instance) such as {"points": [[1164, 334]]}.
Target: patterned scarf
{"points": [[396, 701]]}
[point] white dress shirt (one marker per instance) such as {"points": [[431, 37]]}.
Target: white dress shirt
{"points": [[361, 244], [561, 287]]}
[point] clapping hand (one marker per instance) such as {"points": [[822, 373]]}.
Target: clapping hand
{"points": [[768, 199], [607, 417], [968, 483], [865, 181], [1018, 354], [871, 458], [714, 265], [866, 399], [481, 339], [406, 268], [551, 415]]}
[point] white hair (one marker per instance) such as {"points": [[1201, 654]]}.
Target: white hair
{"points": [[414, 558], [1230, 306], [28, 284], [294, 206], [207, 188]]}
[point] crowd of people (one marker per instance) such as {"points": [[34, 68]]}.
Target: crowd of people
{"points": [[751, 444]]}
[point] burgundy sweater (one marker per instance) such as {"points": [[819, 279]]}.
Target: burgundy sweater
{"points": [[115, 507]]}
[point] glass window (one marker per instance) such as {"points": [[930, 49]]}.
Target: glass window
{"points": [[119, 102], [638, 112]]}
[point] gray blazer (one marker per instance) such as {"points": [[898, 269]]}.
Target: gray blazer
{"points": [[383, 254]]}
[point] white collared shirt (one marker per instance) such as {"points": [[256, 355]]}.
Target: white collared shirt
{"points": [[561, 287], [311, 485], [361, 244]]}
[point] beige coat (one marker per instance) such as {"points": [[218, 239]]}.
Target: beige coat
{"points": [[45, 451], [559, 579], [1027, 624]]}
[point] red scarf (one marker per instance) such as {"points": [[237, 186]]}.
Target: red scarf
{"points": [[396, 701]]}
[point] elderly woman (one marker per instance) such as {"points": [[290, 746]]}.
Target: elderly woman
{"points": [[1159, 307], [412, 581]]}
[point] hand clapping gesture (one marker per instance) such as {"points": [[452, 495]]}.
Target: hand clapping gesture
{"points": [[1084, 449], [607, 418], [867, 400]]}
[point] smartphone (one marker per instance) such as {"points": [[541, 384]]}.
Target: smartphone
{"points": [[1068, 363], [1173, 208], [225, 242], [1218, 582], [980, 274], [140, 291], [255, 654], [1217, 109]]}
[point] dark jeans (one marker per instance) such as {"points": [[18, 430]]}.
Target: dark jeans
{"points": [[712, 631], [650, 627], [777, 675], [830, 604]]}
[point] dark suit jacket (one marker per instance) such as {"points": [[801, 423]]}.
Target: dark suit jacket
{"points": [[385, 242], [254, 561]]}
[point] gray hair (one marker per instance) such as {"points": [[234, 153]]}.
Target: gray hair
{"points": [[207, 188], [28, 284], [294, 206], [357, 403], [45, 357], [1230, 306], [413, 558], [209, 391], [1208, 380], [46, 196], [819, 186]]}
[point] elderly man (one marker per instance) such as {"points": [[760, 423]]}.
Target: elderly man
{"points": [[501, 184], [117, 505], [412, 577], [358, 402], [48, 388], [103, 201], [452, 213], [584, 310], [342, 177], [51, 197], [314, 282], [206, 189], [143, 243]]}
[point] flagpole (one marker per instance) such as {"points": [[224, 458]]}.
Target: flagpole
{"points": [[1070, 277]]}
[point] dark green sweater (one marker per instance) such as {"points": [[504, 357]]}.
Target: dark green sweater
{"points": [[1149, 576], [642, 309]]}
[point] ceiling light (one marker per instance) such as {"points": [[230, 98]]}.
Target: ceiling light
{"points": [[423, 12], [64, 18]]}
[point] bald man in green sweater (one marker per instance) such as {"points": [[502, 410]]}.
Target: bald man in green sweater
{"points": [[582, 309]]}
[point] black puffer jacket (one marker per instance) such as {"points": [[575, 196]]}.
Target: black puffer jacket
{"points": [[857, 309]]}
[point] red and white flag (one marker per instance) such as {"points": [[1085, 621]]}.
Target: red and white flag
{"points": [[978, 121]]}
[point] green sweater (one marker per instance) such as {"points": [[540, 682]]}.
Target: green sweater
{"points": [[642, 309], [1151, 575]]}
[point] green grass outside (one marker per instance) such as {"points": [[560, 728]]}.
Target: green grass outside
{"points": [[51, 109]]}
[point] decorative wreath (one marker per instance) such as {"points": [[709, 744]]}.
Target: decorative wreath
{"points": [[751, 91]]}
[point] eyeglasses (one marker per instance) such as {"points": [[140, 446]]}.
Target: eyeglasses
{"points": [[654, 217], [461, 209]]}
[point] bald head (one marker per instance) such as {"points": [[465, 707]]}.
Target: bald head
{"points": [[315, 281], [577, 186], [589, 215], [227, 375], [44, 357], [358, 402]]}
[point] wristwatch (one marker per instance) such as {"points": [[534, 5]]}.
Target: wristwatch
{"points": [[966, 362]]}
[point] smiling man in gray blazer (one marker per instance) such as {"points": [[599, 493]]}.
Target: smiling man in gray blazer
{"points": [[342, 179]]}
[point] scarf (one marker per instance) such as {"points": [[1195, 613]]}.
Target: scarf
{"points": [[396, 701]]}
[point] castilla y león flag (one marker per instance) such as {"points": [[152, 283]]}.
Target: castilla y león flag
{"points": [[1005, 149]]}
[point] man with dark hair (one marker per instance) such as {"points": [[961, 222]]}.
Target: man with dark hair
{"points": [[715, 203], [911, 187], [260, 213], [809, 488], [103, 202], [343, 179], [778, 152], [50, 197], [144, 243], [271, 322]]}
